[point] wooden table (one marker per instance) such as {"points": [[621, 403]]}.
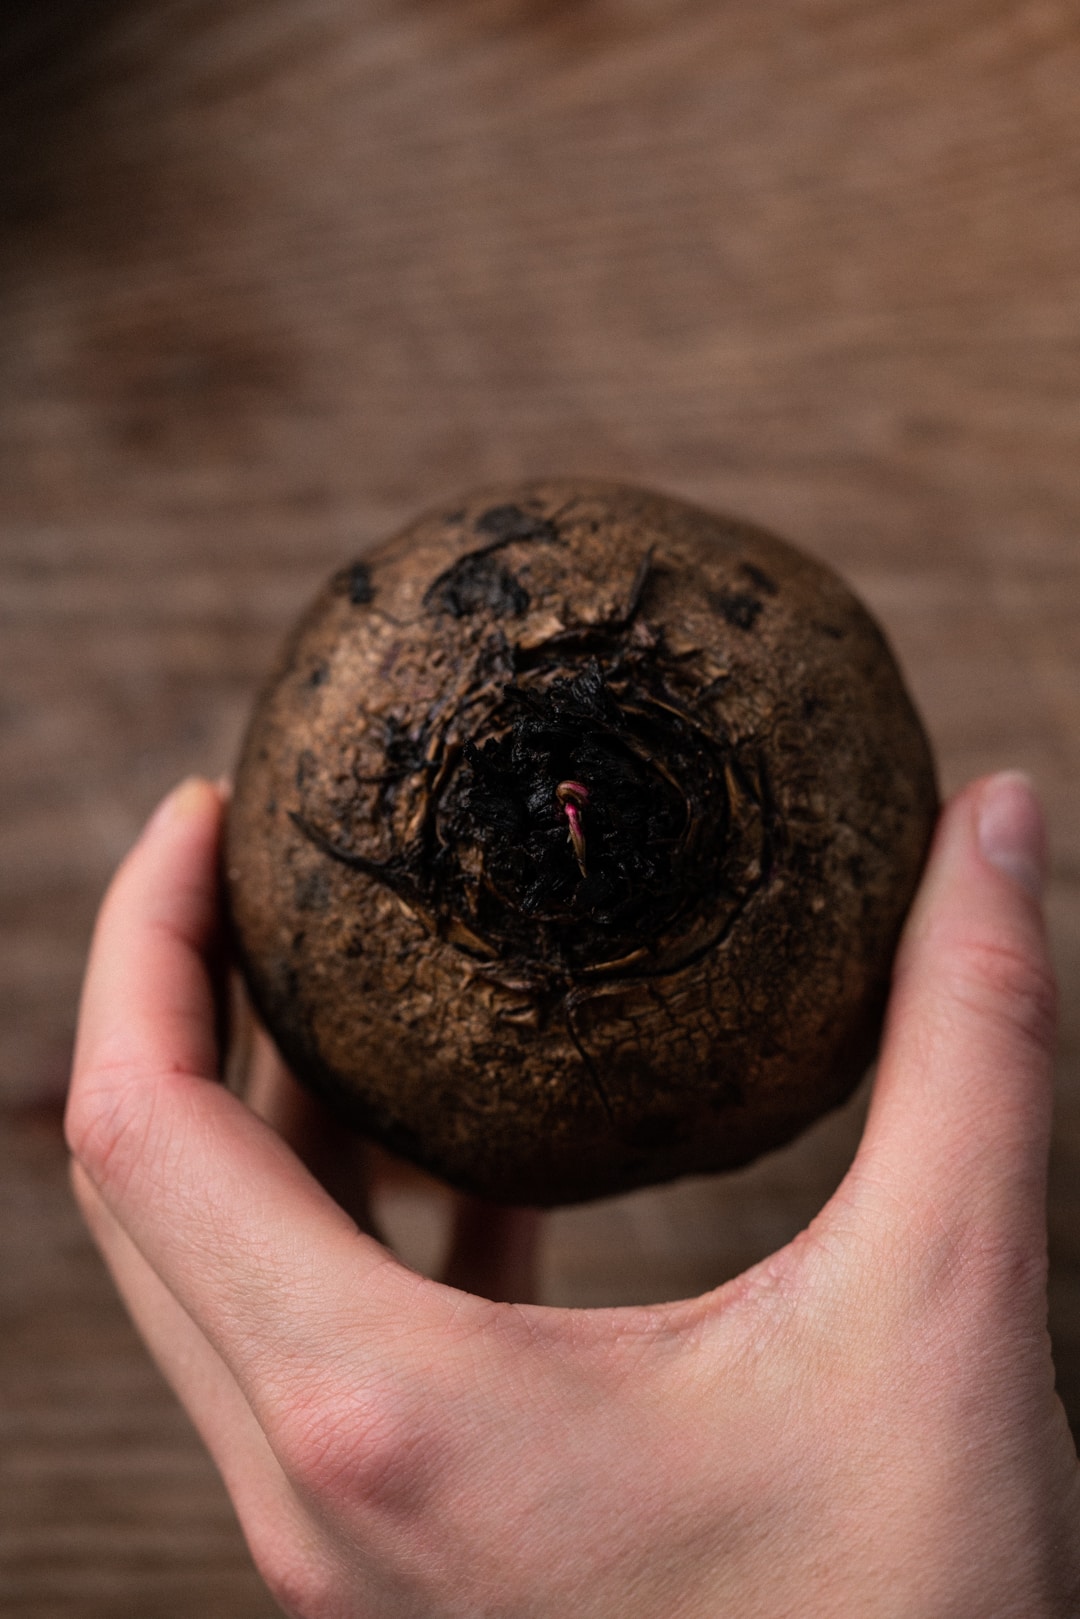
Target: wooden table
{"points": [[275, 277]]}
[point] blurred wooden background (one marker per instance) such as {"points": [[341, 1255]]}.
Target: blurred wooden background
{"points": [[274, 275]]}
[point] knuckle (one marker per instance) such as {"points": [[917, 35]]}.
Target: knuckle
{"points": [[104, 1126], [1008, 983], [114, 1119], [351, 1447]]}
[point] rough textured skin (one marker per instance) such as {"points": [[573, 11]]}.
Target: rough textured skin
{"points": [[550, 1050]]}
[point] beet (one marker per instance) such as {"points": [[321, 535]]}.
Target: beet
{"points": [[572, 839]]}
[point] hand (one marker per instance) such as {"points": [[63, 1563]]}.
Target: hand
{"points": [[864, 1424]]}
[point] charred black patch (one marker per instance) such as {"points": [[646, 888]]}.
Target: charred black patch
{"points": [[361, 589], [738, 607], [355, 582], [508, 523], [477, 583], [757, 576]]}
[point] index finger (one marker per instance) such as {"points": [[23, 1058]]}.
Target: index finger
{"points": [[147, 1001], [243, 1236]]}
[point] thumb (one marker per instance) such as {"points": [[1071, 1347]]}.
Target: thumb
{"points": [[959, 1124]]}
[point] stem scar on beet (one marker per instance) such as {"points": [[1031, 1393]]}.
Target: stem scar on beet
{"points": [[628, 897]]}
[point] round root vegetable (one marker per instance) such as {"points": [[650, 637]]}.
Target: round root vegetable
{"points": [[572, 839]]}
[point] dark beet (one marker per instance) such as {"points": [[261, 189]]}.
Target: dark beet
{"points": [[572, 840]]}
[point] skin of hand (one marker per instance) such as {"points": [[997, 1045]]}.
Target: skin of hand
{"points": [[863, 1424]]}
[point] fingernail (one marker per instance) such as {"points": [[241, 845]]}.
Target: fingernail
{"points": [[1012, 830], [181, 800]]}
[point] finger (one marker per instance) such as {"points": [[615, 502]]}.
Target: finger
{"points": [[157, 922], [198, 1376], [239, 1232], [493, 1251], [960, 1118], [266, 1505]]}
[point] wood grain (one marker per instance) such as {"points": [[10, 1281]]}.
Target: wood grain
{"points": [[276, 275]]}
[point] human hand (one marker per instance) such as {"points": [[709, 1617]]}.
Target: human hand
{"points": [[863, 1424]]}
